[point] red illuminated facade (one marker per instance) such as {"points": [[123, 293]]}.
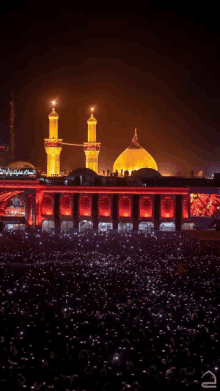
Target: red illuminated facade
{"points": [[167, 208], [85, 206], [146, 208], [124, 207], [105, 206], [30, 210], [185, 207], [204, 205], [66, 205], [115, 204], [47, 208]]}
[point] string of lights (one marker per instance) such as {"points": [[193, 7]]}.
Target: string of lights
{"points": [[75, 145]]}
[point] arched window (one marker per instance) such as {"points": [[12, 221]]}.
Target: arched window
{"points": [[146, 207], [16, 202], [14, 206], [104, 206], [124, 207], [47, 205], [85, 206], [66, 205], [185, 208], [167, 208]]}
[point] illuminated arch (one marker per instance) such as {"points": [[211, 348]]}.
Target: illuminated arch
{"points": [[66, 205], [47, 205], [185, 208], [146, 207], [124, 207], [104, 206], [167, 208], [12, 203], [85, 206]]}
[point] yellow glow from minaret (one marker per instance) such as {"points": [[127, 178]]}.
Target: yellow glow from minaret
{"points": [[92, 127], [53, 145], [91, 147]]}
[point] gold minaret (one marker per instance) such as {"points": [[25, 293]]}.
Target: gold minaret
{"points": [[92, 148], [53, 145]]}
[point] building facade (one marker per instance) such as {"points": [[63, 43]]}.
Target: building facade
{"points": [[30, 203]]}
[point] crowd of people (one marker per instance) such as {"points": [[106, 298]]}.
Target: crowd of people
{"points": [[107, 312]]}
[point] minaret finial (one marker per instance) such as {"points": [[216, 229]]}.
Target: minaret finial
{"points": [[53, 105], [92, 110], [135, 138]]}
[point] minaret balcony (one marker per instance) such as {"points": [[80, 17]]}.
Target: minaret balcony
{"points": [[91, 146], [53, 143]]}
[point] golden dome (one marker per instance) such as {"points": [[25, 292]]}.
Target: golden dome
{"points": [[133, 158], [19, 165]]}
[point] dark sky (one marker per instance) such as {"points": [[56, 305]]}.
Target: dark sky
{"points": [[154, 69]]}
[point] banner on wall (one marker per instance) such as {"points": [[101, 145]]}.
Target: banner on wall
{"points": [[26, 173]]}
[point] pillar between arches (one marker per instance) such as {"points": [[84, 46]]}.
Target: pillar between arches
{"points": [[95, 211], [135, 213], [115, 211], [76, 210], [157, 212], [178, 212], [57, 210]]}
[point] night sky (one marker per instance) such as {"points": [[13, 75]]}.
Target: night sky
{"points": [[154, 69]]}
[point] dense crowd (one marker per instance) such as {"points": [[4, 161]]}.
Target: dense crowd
{"points": [[107, 312]]}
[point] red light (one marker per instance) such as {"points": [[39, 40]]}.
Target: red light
{"points": [[146, 207], [125, 207], [205, 205], [167, 208], [185, 206], [47, 205], [66, 205], [104, 206], [85, 206]]}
